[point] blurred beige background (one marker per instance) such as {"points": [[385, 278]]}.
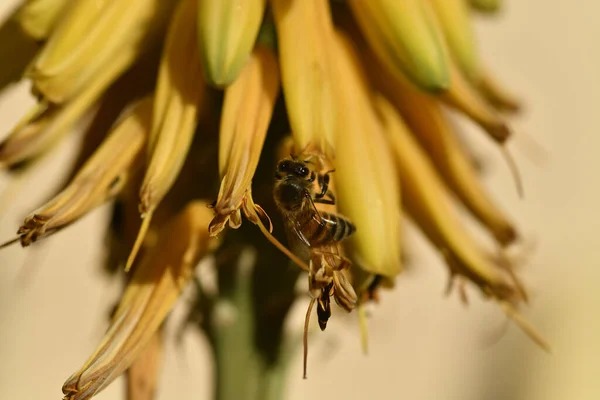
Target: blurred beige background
{"points": [[422, 345]]}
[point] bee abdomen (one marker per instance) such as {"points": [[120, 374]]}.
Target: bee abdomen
{"points": [[340, 227]]}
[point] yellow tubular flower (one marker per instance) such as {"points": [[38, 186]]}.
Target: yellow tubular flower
{"points": [[367, 188], [428, 122], [101, 178], [227, 30], [247, 109], [427, 202], [177, 103], [460, 94], [37, 18], [89, 38], [46, 124], [155, 287], [406, 38], [458, 30], [304, 32]]}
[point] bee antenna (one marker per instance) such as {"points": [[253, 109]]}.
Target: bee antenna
{"points": [[293, 156], [305, 336]]}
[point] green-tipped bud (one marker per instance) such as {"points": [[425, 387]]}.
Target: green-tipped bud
{"points": [[227, 31], [406, 37]]}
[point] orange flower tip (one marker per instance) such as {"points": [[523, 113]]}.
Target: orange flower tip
{"points": [[507, 236], [501, 132]]}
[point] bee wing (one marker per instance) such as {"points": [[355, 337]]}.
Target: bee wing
{"points": [[297, 241], [300, 235]]}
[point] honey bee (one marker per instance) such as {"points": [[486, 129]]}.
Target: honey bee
{"points": [[315, 234]]}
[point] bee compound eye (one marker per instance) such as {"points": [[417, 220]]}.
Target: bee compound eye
{"points": [[284, 166], [304, 171]]}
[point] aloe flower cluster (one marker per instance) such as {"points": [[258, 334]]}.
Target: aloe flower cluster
{"points": [[193, 102]]}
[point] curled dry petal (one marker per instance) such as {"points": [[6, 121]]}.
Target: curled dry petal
{"points": [[247, 110], [102, 176], [156, 285], [48, 123], [88, 39], [304, 33], [367, 186]]}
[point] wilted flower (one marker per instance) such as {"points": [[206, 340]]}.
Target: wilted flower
{"points": [[361, 107]]}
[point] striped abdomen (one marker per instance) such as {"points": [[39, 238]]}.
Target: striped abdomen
{"points": [[333, 228]]}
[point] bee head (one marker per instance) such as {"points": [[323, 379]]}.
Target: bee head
{"points": [[295, 168]]}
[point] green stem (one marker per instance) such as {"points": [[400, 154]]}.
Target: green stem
{"points": [[233, 340], [244, 369], [272, 383]]}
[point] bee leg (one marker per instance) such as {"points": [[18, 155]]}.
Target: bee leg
{"points": [[324, 201], [344, 293], [324, 306], [342, 264], [323, 180]]}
